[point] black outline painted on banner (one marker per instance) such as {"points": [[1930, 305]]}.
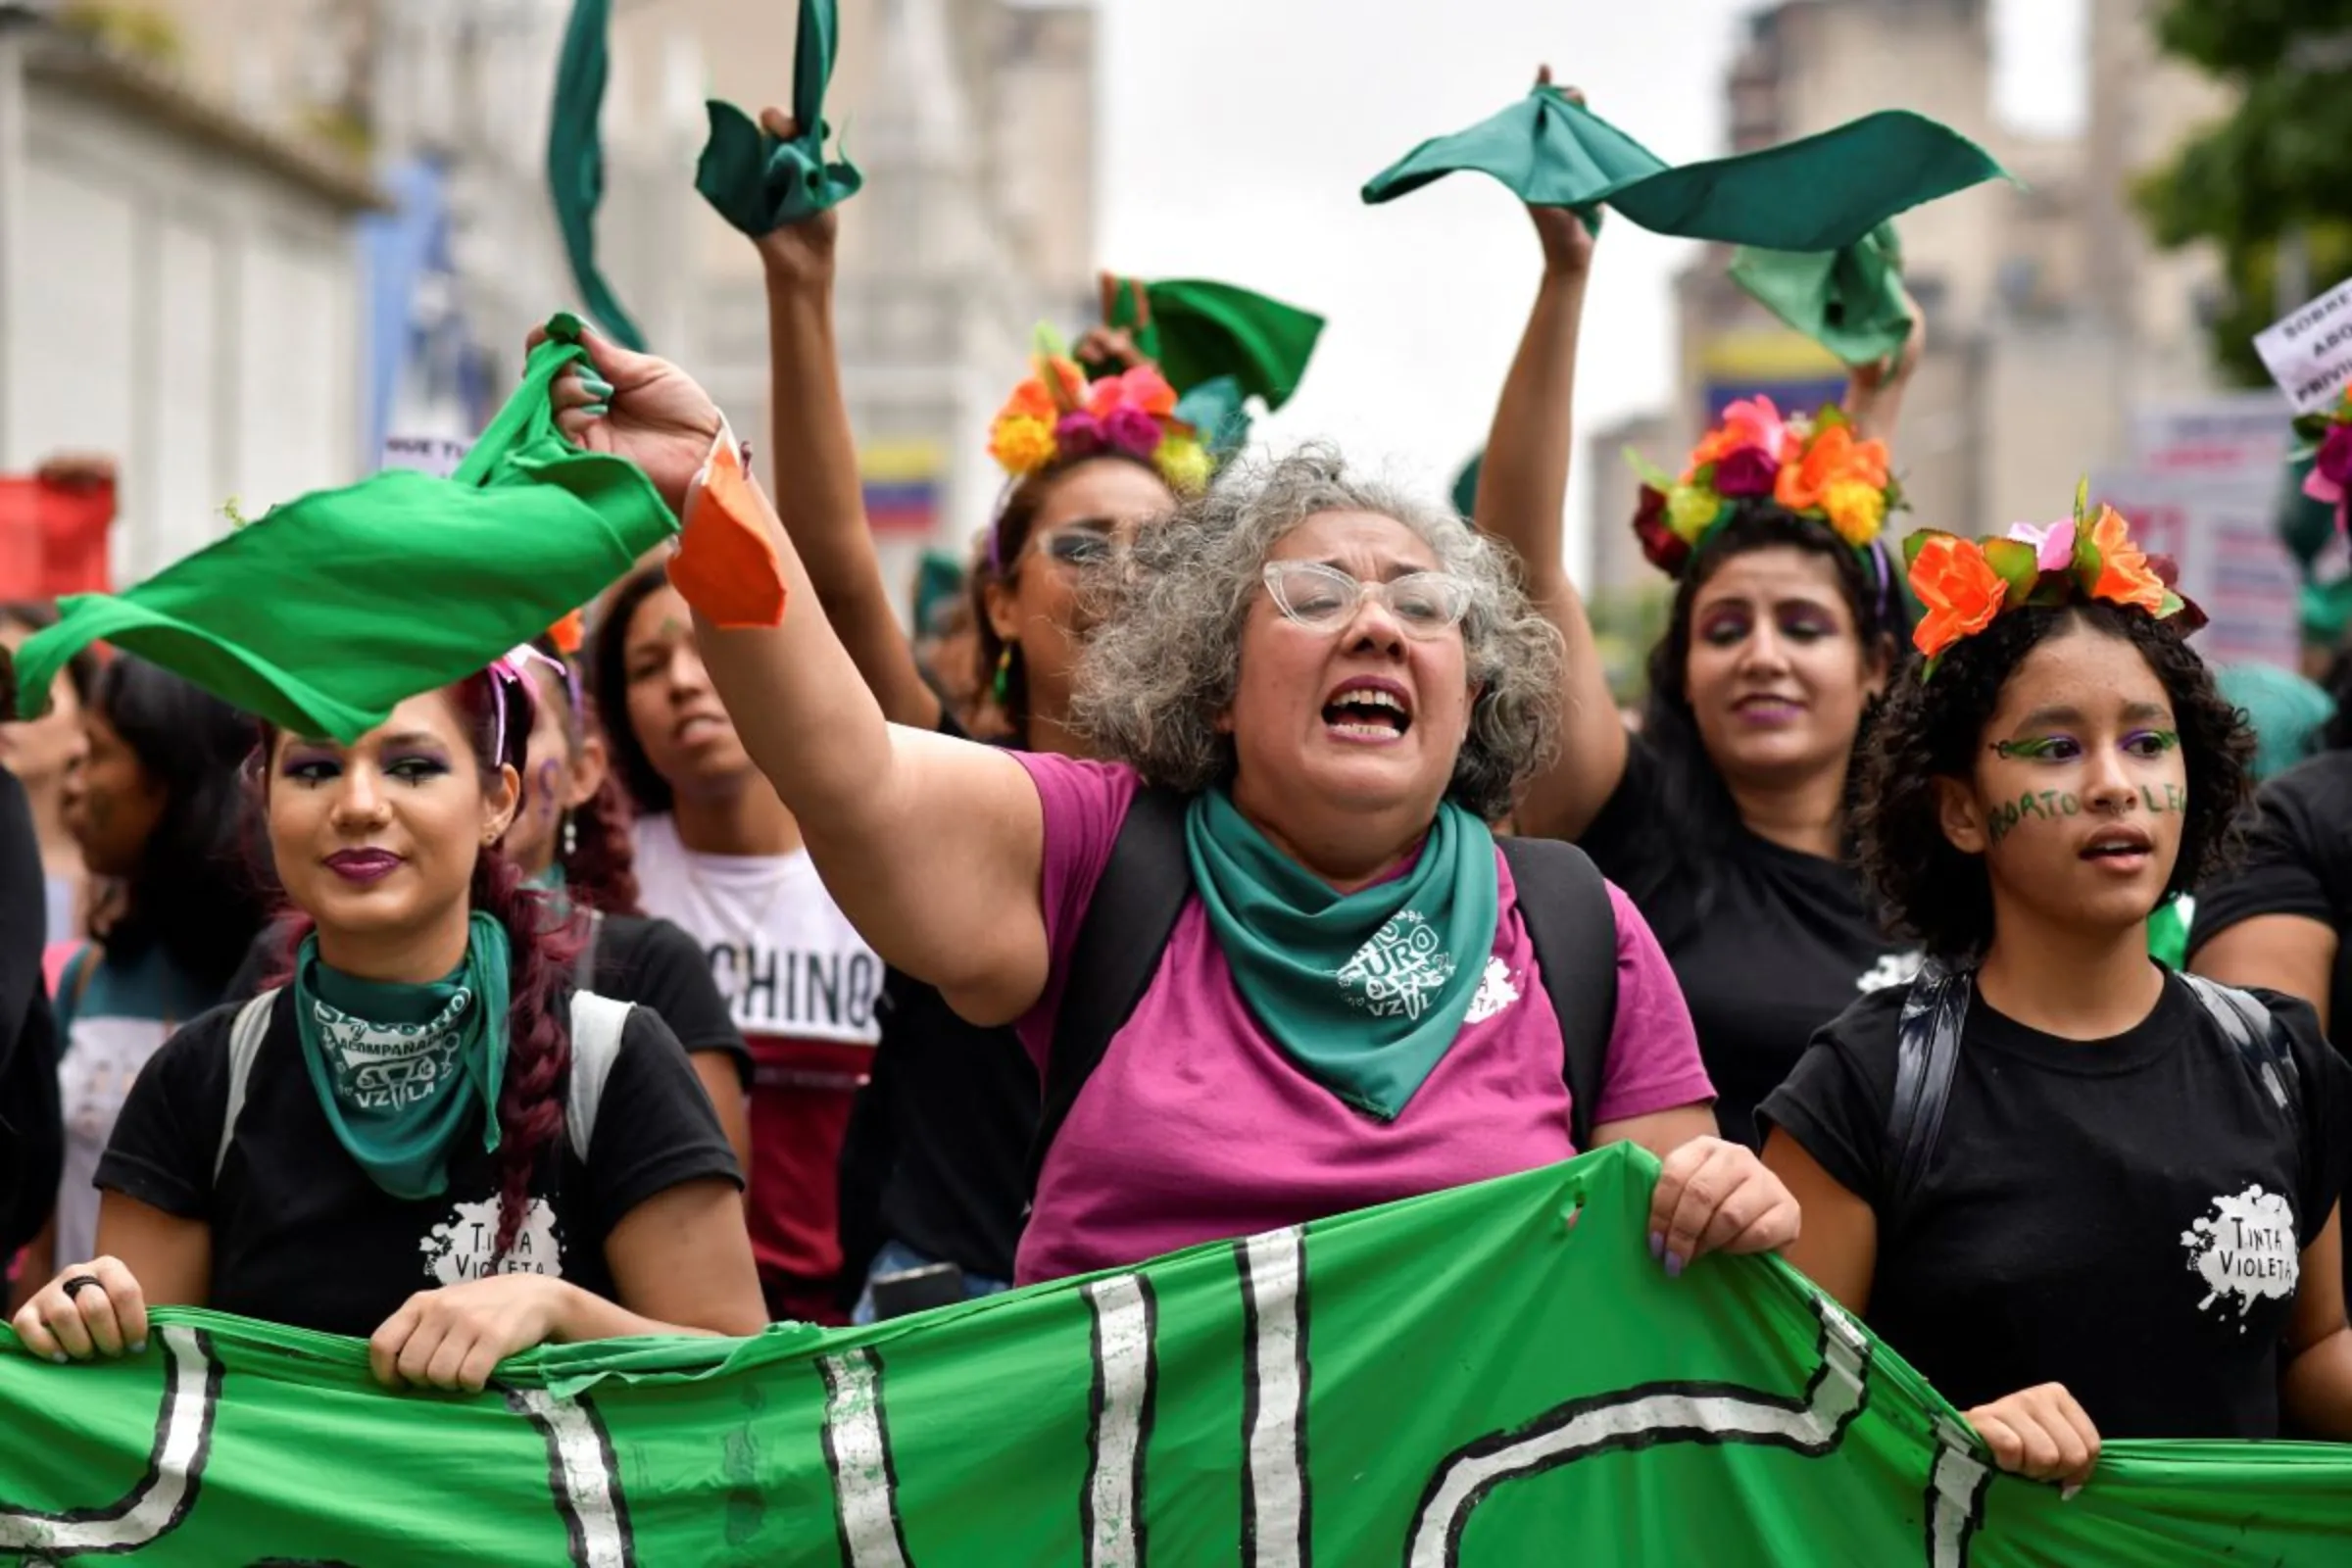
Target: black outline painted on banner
{"points": [[1719, 1409], [1132, 1551], [836, 1370], [1298, 1551], [186, 1352], [544, 1412]]}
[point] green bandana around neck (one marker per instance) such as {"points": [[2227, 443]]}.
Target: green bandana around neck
{"points": [[1365, 991], [324, 615], [399, 1067]]}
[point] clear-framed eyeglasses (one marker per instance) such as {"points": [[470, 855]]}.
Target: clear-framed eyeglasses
{"points": [[1320, 597]]}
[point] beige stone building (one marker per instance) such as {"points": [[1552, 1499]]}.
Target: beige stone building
{"points": [[972, 121], [2049, 314]]}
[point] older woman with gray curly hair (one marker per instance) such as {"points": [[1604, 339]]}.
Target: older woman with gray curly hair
{"points": [[1324, 690]]}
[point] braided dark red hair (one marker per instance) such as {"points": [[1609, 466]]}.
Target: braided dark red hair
{"points": [[531, 1101]]}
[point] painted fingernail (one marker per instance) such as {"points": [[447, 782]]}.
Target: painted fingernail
{"points": [[1657, 1244], [595, 386], [2066, 1494], [60, 1358], [1674, 1266], [140, 1349], [596, 411]]}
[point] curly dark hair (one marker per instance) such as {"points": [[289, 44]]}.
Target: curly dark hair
{"points": [[1694, 792], [1931, 890]]}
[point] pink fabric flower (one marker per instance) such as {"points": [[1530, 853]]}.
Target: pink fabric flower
{"points": [[1131, 430], [2332, 472], [1748, 472], [2053, 546], [1079, 435]]}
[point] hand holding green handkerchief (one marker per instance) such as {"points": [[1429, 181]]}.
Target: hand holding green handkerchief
{"points": [[762, 182]]}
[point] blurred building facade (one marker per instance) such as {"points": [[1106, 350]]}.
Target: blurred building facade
{"points": [[972, 121], [179, 290], [2050, 318]]}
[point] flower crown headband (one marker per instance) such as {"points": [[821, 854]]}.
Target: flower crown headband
{"points": [[2330, 476], [1059, 415], [1814, 467], [1963, 583]]}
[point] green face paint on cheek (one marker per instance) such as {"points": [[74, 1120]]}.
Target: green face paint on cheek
{"points": [[2173, 798], [2007, 816]]}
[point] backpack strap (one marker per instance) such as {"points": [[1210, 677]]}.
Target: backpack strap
{"points": [[245, 1038], [1926, 1057], [2259, 1039], [1120, 940], [1573, 927], [583, 969], [597, 1026]]}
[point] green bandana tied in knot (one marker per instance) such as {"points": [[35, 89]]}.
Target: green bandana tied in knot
{"points": [[399, 1067], [1366, 990], [759, 183]]}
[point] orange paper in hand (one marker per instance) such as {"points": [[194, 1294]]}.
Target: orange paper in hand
{"points": [[726, 566]]}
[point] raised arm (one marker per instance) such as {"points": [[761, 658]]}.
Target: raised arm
{"points": [[933, 847], [818, 495], [1522, 494], [1873, 392]]}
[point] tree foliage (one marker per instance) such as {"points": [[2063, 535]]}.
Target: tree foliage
{"points": [[2281, 164]]}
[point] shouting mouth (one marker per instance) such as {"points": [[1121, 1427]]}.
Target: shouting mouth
{"points": [[1368, 711]]}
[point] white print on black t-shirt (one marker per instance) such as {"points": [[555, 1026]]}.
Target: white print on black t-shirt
{"points": [[808, 996], [2246, 1249], [1891, 969], [1495, 992], [1400, 970], [461, 1249]]}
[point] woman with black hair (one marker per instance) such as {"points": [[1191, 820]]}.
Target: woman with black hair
{"points": [[2280, 918], [718, 853], [1725, 817], [2083, 1195], [160, 811]]}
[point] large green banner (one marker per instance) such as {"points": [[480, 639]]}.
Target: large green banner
{"points": [[1494, 1375]]}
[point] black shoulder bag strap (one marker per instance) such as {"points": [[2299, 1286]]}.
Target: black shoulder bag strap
{"points": [[1926, 1057], [2260, 1040], [1573, 928], [1120, 940]]}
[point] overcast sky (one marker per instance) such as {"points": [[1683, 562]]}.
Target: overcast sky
{"points": [[1237, 134]]}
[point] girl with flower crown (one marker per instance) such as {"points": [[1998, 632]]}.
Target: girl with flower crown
{"points": [[2086, 1196], [1725, 817], [935, 1168]]}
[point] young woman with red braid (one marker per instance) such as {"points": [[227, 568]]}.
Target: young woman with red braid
{"points": [[396, 1144]]}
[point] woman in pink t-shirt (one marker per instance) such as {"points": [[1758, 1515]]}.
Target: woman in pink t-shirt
{"points": [[1346, 686]]}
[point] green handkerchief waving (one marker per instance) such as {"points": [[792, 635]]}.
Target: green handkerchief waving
{"points": [[1820, 193], [1849, 300], [761, 182], [576, 160], [331, 611], [1197, 332]]}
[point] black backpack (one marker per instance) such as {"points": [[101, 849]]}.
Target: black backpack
{"points": [[1126, 929], [1928, 1056]]}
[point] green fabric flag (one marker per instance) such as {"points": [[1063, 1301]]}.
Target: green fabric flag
{"points": [[1200, 332], [938, 582], [759, 183], [1465, 484], [327, 613], [400, 1070], [1849, 300], [1494, 1375], [575, 159], [2306, 525], [1820, 193]]}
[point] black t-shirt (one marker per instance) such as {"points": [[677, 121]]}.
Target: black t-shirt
{"points": [[937, 1155], [300, 1233], [1769, 943], [2298, 861], [2123, 1216], [32, 1138], [650, 962]]}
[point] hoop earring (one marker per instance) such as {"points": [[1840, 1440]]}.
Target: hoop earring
{"points": [[1002, 686]]}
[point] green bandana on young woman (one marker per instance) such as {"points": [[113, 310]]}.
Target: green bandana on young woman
{"points": [[1363, 990], [399, 1067]]}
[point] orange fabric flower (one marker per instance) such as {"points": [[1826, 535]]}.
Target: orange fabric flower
{"points": [[1030, 399], [2125, 576], [1833, 457], [1959, 589]]}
